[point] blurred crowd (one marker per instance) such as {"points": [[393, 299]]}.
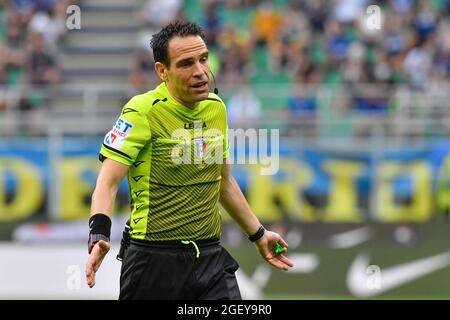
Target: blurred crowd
{"points": [[325, 41], [30, 40], [311, 42], [298, 43]]}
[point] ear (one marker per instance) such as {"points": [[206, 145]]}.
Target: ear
{"points": [[161, 70]]}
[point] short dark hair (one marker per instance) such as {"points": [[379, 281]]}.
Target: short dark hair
{"points": [[160, 40]]}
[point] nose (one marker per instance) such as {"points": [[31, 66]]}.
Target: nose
{"points": [[200, 71]]}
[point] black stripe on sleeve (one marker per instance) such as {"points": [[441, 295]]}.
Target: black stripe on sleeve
{"points": [[101, 157], [117, 151]]}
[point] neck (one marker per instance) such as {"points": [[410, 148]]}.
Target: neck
{"points": [[190, 105]]}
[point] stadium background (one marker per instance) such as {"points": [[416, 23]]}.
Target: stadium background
{"points": [[364, 120]]}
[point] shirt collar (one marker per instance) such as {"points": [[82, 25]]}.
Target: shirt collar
{"points": [[166, 93]]}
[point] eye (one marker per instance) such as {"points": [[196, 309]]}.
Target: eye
{"points": [[184, 64]]}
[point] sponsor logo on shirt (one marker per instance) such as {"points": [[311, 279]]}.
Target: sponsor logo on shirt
{"points": [[195, 125], [120, 131], [122, 127]]}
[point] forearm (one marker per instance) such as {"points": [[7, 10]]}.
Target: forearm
{"points": [[234, 202], [108, 181], [103, 199]]}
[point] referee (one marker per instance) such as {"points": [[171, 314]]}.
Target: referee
{"points": [[167, 142]]}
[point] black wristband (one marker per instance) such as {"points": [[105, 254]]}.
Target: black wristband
{"points": [[257, 235], [100, 223]]}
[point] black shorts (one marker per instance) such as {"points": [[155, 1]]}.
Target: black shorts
{"points": [[172, 271]]}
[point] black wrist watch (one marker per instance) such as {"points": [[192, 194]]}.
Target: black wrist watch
{"points": [[257, 235]]}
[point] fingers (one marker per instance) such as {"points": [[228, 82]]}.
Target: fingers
{"points": [[285, 260], [283, 244], [92, 264], [281, 262], [95, 259], [90, 275], [278, 260], [282, 258]]}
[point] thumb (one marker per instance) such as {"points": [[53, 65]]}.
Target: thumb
{"points": [[104, 246]]}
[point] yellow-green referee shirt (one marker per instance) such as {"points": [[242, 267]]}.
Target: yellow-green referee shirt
{"points": [[174, 155]]}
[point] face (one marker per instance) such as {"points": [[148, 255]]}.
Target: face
{"points": [[187, 76]]}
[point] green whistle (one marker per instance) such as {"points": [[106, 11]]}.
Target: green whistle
{"points": [[278, 248]]}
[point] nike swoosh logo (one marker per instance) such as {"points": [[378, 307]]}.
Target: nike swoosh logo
{"points": [[303, 262], [351, 238], [358, 276]]}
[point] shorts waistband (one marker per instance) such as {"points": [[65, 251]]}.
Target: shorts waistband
{"points": [[176, 244]]}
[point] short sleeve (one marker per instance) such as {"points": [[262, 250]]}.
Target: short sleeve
{"points": [[128, 136]]}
